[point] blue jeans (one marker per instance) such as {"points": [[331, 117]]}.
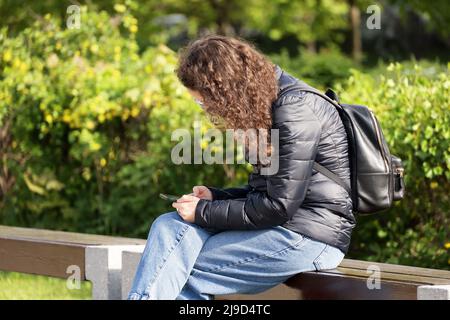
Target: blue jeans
{"points": [[184, 261]]}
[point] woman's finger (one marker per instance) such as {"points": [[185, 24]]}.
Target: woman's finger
{"points": [[186, 198], [176, 205], [197, 190]]}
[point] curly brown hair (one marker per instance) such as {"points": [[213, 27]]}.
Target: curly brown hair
{"points": [[237, 82]]}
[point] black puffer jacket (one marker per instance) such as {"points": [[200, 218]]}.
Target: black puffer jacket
{"points": [[297, 196]]}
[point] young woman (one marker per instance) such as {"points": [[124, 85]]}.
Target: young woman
{"points": [[249, 239]]}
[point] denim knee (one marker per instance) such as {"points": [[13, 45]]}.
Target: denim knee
{"points": [[168, 220], [168, 217]]}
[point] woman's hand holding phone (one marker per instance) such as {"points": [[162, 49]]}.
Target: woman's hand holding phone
{"points": [[186, 207], [202, 192], [187, 204]]}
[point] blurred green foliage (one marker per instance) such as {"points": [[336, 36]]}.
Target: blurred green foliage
{"points": [[324, 69], [313, 24], [412, 102], [86, 122], [307, 20], [86, 117]]}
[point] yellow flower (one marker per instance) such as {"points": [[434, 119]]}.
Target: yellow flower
{"points": [[120, 8], [66, 118], [133, 28], [125, 114], [16, 63], [434, 185], [447, 245], [134, 112], [103, 162], [86, 174], [94, 48], [90, 124], [147, 100], [7, 55], [23, 67], [49, 118], [95, 146]]}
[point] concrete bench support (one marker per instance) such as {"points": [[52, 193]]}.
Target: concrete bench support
{"points": [[439, 292], [104, 269], [130, 261]]}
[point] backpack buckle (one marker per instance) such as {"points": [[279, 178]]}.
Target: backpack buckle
{"points": [[399, 171]]}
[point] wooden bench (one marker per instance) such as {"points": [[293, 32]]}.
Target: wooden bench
{"points": [[355, 279], [58, 254], [110, 263]]}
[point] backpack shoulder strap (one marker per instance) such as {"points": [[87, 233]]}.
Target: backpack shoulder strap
{"points": [[331, 97], [332, 176]]}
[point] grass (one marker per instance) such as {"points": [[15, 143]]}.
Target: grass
{"points": [[19, 286]]}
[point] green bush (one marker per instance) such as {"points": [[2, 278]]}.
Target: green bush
{"points": [[413, 106], [86, 127], [86, 120], [321, 70]]}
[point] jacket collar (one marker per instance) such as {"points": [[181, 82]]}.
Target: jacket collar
{"points": [[282, 78], [278, 72]]}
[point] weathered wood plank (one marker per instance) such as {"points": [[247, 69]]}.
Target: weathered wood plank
{"points": [[319, 286], [395, 268], [41, 235], [280, 292], [48, 252], [404, 277], [43, 258]]}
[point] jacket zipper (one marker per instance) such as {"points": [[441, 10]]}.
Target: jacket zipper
{"points": [[379, 140]]}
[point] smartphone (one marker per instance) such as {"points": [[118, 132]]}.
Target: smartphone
{"points": [[169, 197]]}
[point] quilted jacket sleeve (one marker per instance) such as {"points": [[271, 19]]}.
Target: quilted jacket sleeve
{"points": [[229, 193], [299, 135]]}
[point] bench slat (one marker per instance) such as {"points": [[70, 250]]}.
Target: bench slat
{"points": [[417, 279], [44, 258], [43, 235], [315, 285], [394, 268], [49, 252]]}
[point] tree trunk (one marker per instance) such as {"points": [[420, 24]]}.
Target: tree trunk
{"points": [[222, 10], [311, 46], [355, 22]]}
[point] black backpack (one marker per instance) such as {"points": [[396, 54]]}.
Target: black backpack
{"points": [[376, 176]]}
